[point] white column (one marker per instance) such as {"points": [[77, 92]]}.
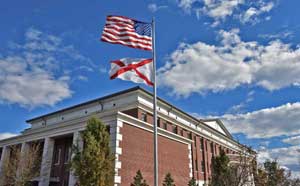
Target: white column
{"points": [[24, 149], [77, 140], [46, 162], [5, 154]]}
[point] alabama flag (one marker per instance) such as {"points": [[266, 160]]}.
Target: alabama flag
{"points": [[136, 70]]}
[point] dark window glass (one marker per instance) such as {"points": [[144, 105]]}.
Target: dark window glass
{"points": [[195, 140], [196, 162], [0, 153], [190, 135], [158, 122], [175, 129], [108, 129], [212, 148], [203, 166], [165, 126], [181, 132]]}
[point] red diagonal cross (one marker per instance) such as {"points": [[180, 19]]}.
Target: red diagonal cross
{"points": [[130, 67]]}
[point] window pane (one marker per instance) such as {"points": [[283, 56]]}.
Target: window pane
{"points": [[165, 126], [175, 129]]}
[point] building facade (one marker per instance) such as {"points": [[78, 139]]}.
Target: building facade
{"points": [[186, 144]]}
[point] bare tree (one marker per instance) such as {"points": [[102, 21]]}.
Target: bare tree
{"points": [[233, 169], [22, 167], [243, 170]]}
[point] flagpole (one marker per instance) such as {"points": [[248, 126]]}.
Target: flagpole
{"points": [[154, 107]]}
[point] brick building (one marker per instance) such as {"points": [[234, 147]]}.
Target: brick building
{"points": [[186, 144]]}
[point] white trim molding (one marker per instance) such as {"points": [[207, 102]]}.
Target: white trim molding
{"points": [[116, 140], [191, 160]]}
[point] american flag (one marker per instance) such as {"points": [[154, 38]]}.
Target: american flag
{"points": [[128, 32]]}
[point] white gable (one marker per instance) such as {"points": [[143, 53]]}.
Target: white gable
{"points": [[215, 125]]}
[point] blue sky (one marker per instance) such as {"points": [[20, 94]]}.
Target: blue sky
{"points": [[234, 59]]}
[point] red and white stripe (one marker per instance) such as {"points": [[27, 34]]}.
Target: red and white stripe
{"points": [[136, 70], [120, 30]]}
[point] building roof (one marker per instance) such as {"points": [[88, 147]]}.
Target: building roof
{"points": [[85, 103], [203, 121]]}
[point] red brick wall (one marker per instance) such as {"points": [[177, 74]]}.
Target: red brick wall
{"points": [[198, 154], [137, 153]]}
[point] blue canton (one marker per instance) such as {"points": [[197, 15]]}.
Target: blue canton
{"points": [[142, 28]]}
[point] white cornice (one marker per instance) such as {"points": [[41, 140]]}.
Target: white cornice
{"points": [[200, 130], [59, 129]]}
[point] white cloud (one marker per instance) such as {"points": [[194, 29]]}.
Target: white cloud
{"points": [[266, 123], [294, 140], [154, 7], [219, 10], [7, 135], [252, 14], [200, 67], [280, 35], [34, 73], [186, 5]]}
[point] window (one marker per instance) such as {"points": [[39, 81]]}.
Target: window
{"points": [[181, 132], [108, 128], [144, 117], [175, 129], [212, 148], [202, 144], [158, 122], [190, 135], [165, 126], [68, 155], [195, 140], [196, 162], [57, 156], [202, 166], [1, 153]]}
